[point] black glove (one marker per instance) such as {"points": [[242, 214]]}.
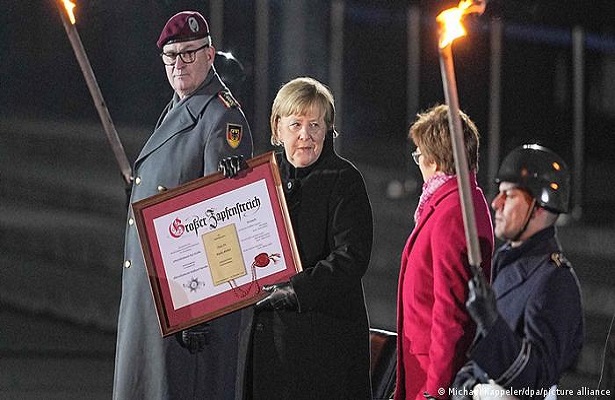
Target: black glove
{"points": [[481, 303], [466, 379], [194, 339], [281, 296], [464, 382], [230, 166]]}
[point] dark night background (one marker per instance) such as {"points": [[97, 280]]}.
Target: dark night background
{"points": [[42, 79], [62, 206]]}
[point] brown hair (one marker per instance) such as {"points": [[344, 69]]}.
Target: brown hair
{"points": [[431, 133], [297, 97]]}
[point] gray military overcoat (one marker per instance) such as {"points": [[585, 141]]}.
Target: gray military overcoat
{"points": [[190, 138]]}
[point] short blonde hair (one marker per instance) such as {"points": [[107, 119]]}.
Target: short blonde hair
{"points": [[431, 133], [298, 96]]}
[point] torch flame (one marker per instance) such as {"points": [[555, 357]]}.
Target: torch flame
{"points": [[450, 20], [69, 5]]}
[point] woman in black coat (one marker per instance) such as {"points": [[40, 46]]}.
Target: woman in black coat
{"points": [[310, 337]]}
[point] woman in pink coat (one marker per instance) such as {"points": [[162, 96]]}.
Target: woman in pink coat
{"points": [[434, 328]]}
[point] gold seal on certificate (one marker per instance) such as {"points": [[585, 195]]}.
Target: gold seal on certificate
{"points": [[224, 254]]}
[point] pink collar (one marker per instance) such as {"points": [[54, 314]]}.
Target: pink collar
{"points": [[429, 188]]}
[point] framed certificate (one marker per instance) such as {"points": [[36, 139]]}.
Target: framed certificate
{"points": [[211, 244]]}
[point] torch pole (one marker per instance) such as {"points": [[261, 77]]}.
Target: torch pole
{"points": [[99, 102], [447, 70]]}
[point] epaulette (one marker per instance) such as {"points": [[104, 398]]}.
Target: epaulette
{"points": [[227, 98], [560, 260]]}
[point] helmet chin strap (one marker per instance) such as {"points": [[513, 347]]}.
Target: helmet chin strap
{"points": [[528, 216]]}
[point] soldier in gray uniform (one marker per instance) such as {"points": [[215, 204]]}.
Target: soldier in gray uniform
{"points": [[201, 125]]}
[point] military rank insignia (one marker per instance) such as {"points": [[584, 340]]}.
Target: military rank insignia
{"points": [[233, 134], [227, 99], [559, 260]]}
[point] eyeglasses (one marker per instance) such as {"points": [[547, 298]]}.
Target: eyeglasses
{"points": [[416, 156], [187, 56]]}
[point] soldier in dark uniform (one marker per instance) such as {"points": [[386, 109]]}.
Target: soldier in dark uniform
{"points": [[201, 125], [530, 322]]}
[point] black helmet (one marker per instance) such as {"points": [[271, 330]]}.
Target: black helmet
{"points": [[230, 70], [541, 172]]}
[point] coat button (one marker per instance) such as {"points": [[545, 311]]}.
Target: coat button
{"points": [[138, 180], [289, 185], [127, 264], [131, 221], [260, 327], [161, 188]]}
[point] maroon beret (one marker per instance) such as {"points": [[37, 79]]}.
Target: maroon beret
{"points": [[182, 27]]}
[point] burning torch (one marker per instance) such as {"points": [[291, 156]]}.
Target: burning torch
{"points": [[451, 29], [68, 20]]}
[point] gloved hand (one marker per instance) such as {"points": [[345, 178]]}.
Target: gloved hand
{"points": [[481, 303], [194, 339], [464, 382], [491, 391], [230, 166], [281, 296]]}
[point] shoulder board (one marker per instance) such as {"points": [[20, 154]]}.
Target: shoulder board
{"points": [[227, 98], [559, 260]]}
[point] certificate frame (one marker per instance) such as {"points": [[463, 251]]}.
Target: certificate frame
{"points": [[195, 237]]}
